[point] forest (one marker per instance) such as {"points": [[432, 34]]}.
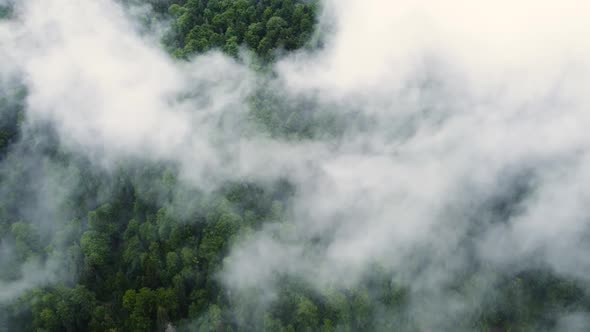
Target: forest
{"points": [[135, 247]]}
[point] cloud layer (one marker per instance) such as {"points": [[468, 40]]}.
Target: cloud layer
{"points": [[465, 132]]}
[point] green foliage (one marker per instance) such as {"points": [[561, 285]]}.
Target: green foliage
{"points": [[95, 247], [6, 11], [144, 252], [11, 106], [138, 265], [26, 239], [62, 308], [263, 26]]}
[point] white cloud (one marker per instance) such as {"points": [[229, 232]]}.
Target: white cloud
{"points": [[462, 99]]}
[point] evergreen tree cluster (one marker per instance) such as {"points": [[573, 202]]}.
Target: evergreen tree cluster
{"points": [[261, 25]]}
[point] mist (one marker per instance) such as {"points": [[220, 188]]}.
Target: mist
{"points": [[461, 149]]}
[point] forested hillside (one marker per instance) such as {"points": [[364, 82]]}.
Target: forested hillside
{"points": [[136, 247]]}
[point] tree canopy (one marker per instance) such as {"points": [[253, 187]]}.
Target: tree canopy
{"points": [[134, 262]]}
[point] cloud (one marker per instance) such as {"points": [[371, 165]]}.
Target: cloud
{"points": [[465, 132], [467, 102]]}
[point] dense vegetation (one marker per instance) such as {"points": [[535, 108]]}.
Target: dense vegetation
{"points": [[262, 25], [139, 251]]}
